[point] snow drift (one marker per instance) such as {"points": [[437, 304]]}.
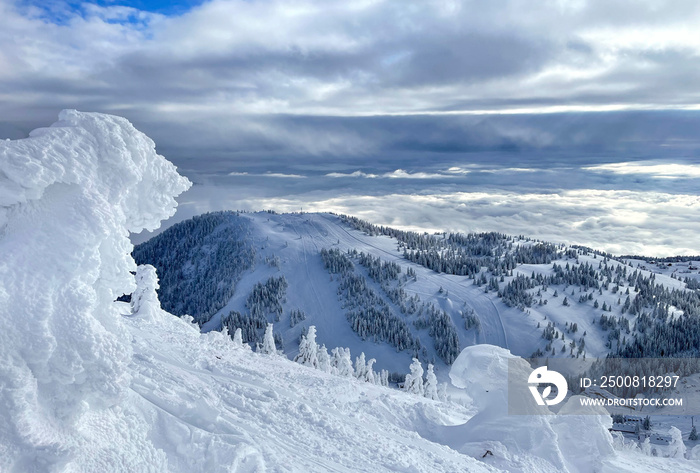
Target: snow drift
{"points": [[69, 196], [535, 442]]}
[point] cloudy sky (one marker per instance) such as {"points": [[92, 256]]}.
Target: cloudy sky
{"points": [[554, 118]]}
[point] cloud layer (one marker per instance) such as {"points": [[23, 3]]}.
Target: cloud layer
{"points": [[224, 61], [621, 222], [575, 120]]}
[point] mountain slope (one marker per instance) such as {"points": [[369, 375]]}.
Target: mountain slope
{"points": [[246, 412], [215, 407], [529, 297]]}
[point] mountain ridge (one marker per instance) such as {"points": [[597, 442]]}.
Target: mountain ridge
{"points": [[528, 296]]}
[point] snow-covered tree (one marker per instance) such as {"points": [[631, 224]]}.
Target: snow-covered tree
{"points": [[144, 300], [268, 346], [63, 263], [324, 360], [308, 349], [431, 384], [383, 378], [368, 374], [676, 449], [238, 338], [341, 362], [335, 359], [361, 367], [693, 434], [414, 380]]}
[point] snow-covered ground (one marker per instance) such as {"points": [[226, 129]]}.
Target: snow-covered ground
{"points": [[229, 409], [88, 384]]}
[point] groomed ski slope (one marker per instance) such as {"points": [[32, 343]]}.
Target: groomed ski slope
{"points": [[88, 384], [297, 240]]}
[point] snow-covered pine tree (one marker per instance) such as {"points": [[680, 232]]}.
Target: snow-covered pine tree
{"points": [[676, 448], [414, 380], [268, 346], [383, 378], [324, 360], [238, 338], [144, 300], [308, 349], [335, 359], [370, 375], [342, 363], [361, 367], [431, 384]]}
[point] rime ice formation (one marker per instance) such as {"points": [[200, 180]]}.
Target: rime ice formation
{"points": [[69, 196]]}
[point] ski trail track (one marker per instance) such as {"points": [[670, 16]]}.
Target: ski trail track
{"points": [[492, 332]]}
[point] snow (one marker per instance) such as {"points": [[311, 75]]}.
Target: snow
{"points": [[89, 384], [518, 443], [215, 407], [144, 300], [69, 196]]}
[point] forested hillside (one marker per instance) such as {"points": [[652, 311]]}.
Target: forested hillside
{"points": [[398, 294]]}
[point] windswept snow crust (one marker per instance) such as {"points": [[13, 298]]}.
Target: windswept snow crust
{"points": [[88, 384]]}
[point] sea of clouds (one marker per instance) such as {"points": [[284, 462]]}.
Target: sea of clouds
{"points": [[648, 207]]}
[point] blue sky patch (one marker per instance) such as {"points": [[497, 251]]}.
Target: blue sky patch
{"points": [[61, 11]]}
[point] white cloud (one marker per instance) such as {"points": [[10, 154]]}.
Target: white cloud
{"points": [[268, 174], [650, 168], [509, 170], [458, 170], [352, 174], [283, 176], [402, 174], [399, 174], [321, 57]]}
